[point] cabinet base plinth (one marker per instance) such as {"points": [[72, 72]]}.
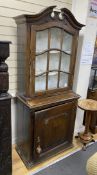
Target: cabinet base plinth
{"points": [[31, 163]]}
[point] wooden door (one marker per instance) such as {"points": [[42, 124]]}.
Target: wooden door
{"points": [[53, 128]]}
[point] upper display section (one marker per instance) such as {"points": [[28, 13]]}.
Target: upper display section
{"points": [[50, 44]]}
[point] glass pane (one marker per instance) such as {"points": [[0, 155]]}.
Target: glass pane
{"points": [[40, 83], [65, 62], [41, 41], [54, 60], [67, 42], [55, 38], [63, 80], [41, 64], [52, 80]]}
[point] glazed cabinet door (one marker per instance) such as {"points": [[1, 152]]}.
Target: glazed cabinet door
{"points": [[51, 58], [54, 128]]}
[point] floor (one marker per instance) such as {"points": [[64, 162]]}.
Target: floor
{"points": [[20, 169]]}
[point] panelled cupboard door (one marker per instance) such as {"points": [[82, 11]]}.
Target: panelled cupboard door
{"points": [[51, 127], [49, 43]]}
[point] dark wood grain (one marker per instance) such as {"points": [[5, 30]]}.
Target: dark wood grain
{"points": [[5, 113], [5, 137], [93, 123], [45, 119], [45, 126], [30, 24]]}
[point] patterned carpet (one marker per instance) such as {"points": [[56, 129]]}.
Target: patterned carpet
{"points": [[72, 165]]}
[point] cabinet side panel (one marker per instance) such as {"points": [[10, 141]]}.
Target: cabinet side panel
{"points": [[21, 50], [24, 131], [5, 138]]}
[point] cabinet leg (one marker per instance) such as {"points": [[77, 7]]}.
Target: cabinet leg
{"points": [[77, 136], [84, 147]]}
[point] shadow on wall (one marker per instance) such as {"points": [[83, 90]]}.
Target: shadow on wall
{"points": [[79, 51]]}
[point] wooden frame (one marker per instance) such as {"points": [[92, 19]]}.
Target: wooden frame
{"points": [[40, 22], [48, 26], [45, 119]]}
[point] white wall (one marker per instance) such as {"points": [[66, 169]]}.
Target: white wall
{"points": [[8, 31], [82, 71]]}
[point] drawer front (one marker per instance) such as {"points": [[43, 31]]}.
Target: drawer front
{"points": [[53, 127]]}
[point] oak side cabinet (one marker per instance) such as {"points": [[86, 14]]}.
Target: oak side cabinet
{"points": [[5, 113], [92, 94], [46, 103]]}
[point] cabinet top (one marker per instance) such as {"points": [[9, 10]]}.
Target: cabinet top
{"points": [[40, 103], [6, 97], [49, 14], [5, 42]]}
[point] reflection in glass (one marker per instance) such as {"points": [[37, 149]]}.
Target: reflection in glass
{"points": [[93, 79], [65, 62], [52, 80], [63, 80], [41, 64], [67, 42], [54, 60], [40, 83], [41, 41], [55, 38]]}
